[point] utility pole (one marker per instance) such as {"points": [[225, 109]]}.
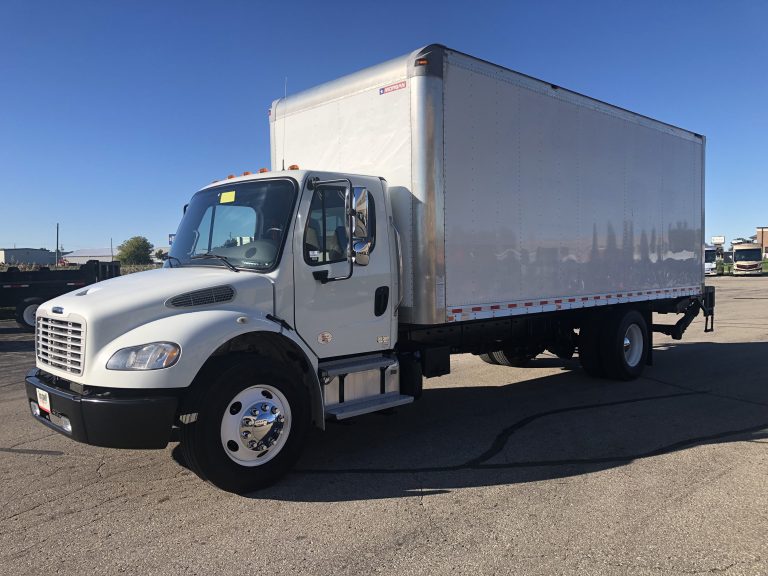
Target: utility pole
{"points": [[56, 265]]}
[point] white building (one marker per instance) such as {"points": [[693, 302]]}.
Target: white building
{"points": [[14, 256], [82, 256]]}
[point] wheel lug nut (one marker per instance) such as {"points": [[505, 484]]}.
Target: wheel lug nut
{"points": [[246, 422], [274, 410], [264, 407], [245, 434], [252, 444], [254, 412]]}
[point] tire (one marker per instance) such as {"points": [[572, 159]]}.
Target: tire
{"points": [[25, 313], [590, 346], [516, 357], [255, 397], [488, 358], [625, 345]]}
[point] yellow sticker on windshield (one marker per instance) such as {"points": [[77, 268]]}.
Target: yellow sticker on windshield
{"points": [[227, 197]]}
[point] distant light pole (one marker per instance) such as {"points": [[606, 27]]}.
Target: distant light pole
{"points": [[56, 264]]}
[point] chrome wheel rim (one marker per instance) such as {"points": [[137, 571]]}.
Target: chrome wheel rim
{"points": [[633, 345], [255, 425]]}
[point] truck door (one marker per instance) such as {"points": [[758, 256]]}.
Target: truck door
{"points": [[343, 308]]}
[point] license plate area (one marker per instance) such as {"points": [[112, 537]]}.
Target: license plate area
{"points": [[43, 400]]}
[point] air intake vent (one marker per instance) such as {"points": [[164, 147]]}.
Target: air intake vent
{"points": [[202, 297], [60, 344]]}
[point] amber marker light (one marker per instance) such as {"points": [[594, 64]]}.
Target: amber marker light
{"points": [[293, 167], [262, 170], [246, 173], [421, 61]]}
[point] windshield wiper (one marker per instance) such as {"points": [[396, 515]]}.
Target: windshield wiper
{"points": [[224, 259]]}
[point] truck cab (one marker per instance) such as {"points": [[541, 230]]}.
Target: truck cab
{"points": [[285, 279], [710, 261], [747, 260]]}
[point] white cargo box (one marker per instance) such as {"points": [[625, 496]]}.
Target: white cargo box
{"points": [[512, 195]]}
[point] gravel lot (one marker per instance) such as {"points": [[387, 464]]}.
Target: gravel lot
{"points": [[495, 471]]}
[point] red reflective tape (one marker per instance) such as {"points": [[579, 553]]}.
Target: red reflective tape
{"points": [[528, 304], [456, 311], [477, 308], [585, 298], [597, 297], [511, 305], [543, 302], [571, 299], [618, 295], [558, 301], [495, 307], [450, 318]]}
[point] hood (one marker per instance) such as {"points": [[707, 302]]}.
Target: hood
{"points": [[121, 304]]}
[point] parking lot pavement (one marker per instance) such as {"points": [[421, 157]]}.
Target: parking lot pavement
{"points": [[496, 470]]}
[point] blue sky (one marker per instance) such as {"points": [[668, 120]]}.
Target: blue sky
{"points": [[112, 113]]}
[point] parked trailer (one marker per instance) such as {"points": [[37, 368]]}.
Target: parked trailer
{"points": [[501, 216], [26, 290]]}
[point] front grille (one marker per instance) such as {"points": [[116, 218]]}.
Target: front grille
{"points": [[60, 344], [202, 297]]}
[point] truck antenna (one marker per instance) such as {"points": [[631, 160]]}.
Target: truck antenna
{"points": [[285, 116]]}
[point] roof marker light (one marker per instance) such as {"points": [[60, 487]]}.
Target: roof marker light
{"points": [[262, 170], [293, 167], [230, 177], [421, 61], [246, 173]]}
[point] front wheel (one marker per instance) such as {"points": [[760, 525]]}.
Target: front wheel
{"points": [[252, 419]]}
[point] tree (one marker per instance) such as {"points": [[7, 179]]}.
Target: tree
{"points": [[159, 254], [135, 250]]}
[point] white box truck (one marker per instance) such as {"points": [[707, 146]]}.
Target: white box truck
{"points": [[444, 205]]}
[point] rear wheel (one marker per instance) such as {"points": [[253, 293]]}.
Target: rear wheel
{"points": [[26, 312], [625, 345], [252, 420], [488, 358]]}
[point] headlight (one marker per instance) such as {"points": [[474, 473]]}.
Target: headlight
{"points": [[145, 357]]}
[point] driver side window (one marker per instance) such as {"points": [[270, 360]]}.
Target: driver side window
{"points": [[325, 237]]}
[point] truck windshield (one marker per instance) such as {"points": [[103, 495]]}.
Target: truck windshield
{"points": [[245, 223], [747, 255], [710, 256]]}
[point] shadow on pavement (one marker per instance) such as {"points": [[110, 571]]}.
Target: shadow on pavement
{"points": [[536, 430], [17, 346]]}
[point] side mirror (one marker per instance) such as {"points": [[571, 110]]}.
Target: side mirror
{"points": [[361, 241]]}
